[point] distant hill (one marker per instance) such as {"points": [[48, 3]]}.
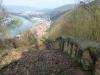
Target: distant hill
{"points": [[82, 22], [53, 13], [57, 12]]}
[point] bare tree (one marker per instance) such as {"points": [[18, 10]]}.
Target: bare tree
{"points": [[1, 1]]}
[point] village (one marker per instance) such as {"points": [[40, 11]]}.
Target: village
{"points": [[7, 20]]}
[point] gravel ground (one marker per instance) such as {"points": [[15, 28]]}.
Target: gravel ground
{"points": [[42, 62]]}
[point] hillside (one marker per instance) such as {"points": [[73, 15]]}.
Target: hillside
{"points": [[82, 22], [55, 13]]}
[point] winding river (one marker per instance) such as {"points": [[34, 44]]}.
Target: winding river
{"points": [[26, 24]]}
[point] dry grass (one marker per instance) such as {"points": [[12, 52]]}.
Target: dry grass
{"points": [[7, 56], [42, 62], [80, 23]]}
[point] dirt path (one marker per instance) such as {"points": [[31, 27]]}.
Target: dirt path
{"points": [[43, 62]]}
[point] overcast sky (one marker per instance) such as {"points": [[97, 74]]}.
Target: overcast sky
{"points": [[39, 3]]}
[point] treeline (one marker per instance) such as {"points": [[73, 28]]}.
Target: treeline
{"points": [[3, 10], [3, 14]]}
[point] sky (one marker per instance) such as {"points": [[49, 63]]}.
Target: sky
{"points": [[38, 3]]}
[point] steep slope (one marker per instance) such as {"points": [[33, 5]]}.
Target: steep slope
{"points": [[82, 22]]}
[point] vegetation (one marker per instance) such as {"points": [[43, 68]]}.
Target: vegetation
{"points": [[82, 22], [4, 16], [3, 12], [25, 40], [12, 25]]}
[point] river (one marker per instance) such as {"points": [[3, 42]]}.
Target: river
{"points": [[26, 25]]}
